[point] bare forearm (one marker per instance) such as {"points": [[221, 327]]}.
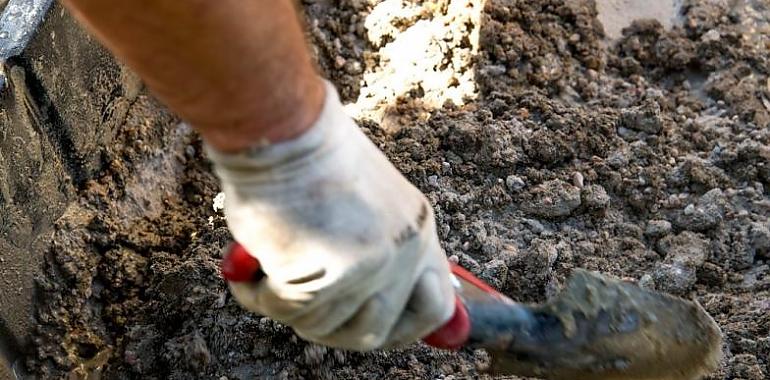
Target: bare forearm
{"points": [[237, 70]]}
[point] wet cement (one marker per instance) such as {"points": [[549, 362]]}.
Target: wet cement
{"points": [[613, 330], [63, 99]]}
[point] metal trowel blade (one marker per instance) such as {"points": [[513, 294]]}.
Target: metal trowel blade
{"points": [[603, 329]]}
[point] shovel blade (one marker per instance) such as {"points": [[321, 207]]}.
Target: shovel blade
{"points": [[600, 329]]}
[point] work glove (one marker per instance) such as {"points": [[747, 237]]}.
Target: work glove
{"points": [[348, 245]]}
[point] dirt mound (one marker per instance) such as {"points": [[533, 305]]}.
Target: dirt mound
{"points": [[647, 158]]}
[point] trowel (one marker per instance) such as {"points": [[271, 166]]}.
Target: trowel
{"points": [[596, 328]]}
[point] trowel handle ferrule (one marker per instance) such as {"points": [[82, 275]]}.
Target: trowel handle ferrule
{"points": [[471, 291]]}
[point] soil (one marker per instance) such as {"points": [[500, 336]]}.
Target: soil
{"points": [[646, 158]]}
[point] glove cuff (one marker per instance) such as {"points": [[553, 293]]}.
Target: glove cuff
{"points": [[231, 167]]}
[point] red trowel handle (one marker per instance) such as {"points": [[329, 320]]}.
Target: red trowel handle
{"points": [[239, 266]]}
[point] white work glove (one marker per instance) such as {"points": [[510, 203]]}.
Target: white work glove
{"points": [[349, 246]]}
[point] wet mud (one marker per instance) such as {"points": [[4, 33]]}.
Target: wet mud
{"points": [[598, 328], [646, 158]]}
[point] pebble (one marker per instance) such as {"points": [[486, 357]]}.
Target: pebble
{"points": [[509, 253], [494, 70], [618, 159], [535, 226], [712, 35], [514, 183], [469, 263], [339, 61], [482, 360], [495, 273], [687, 248], [553, 199], [711, 274], [658, 228], [760, 239], [707, 214], [353, 68], [626, 133], [446, 168], [674, 278], [751, 279], [541, 256], [684, 254], [577, 179], [645, 118], [594, 198]]}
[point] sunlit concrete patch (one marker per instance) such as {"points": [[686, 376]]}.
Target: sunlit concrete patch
{"points": [[427, 48], [618, 14]]}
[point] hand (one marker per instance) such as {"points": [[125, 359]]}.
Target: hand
{"points": [[349, 246]]}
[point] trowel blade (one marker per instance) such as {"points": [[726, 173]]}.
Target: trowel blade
{"points": [[18, 22], [603, 329]]}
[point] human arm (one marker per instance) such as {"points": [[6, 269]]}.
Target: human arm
{"points": [[237, 71], [349, 245]]}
